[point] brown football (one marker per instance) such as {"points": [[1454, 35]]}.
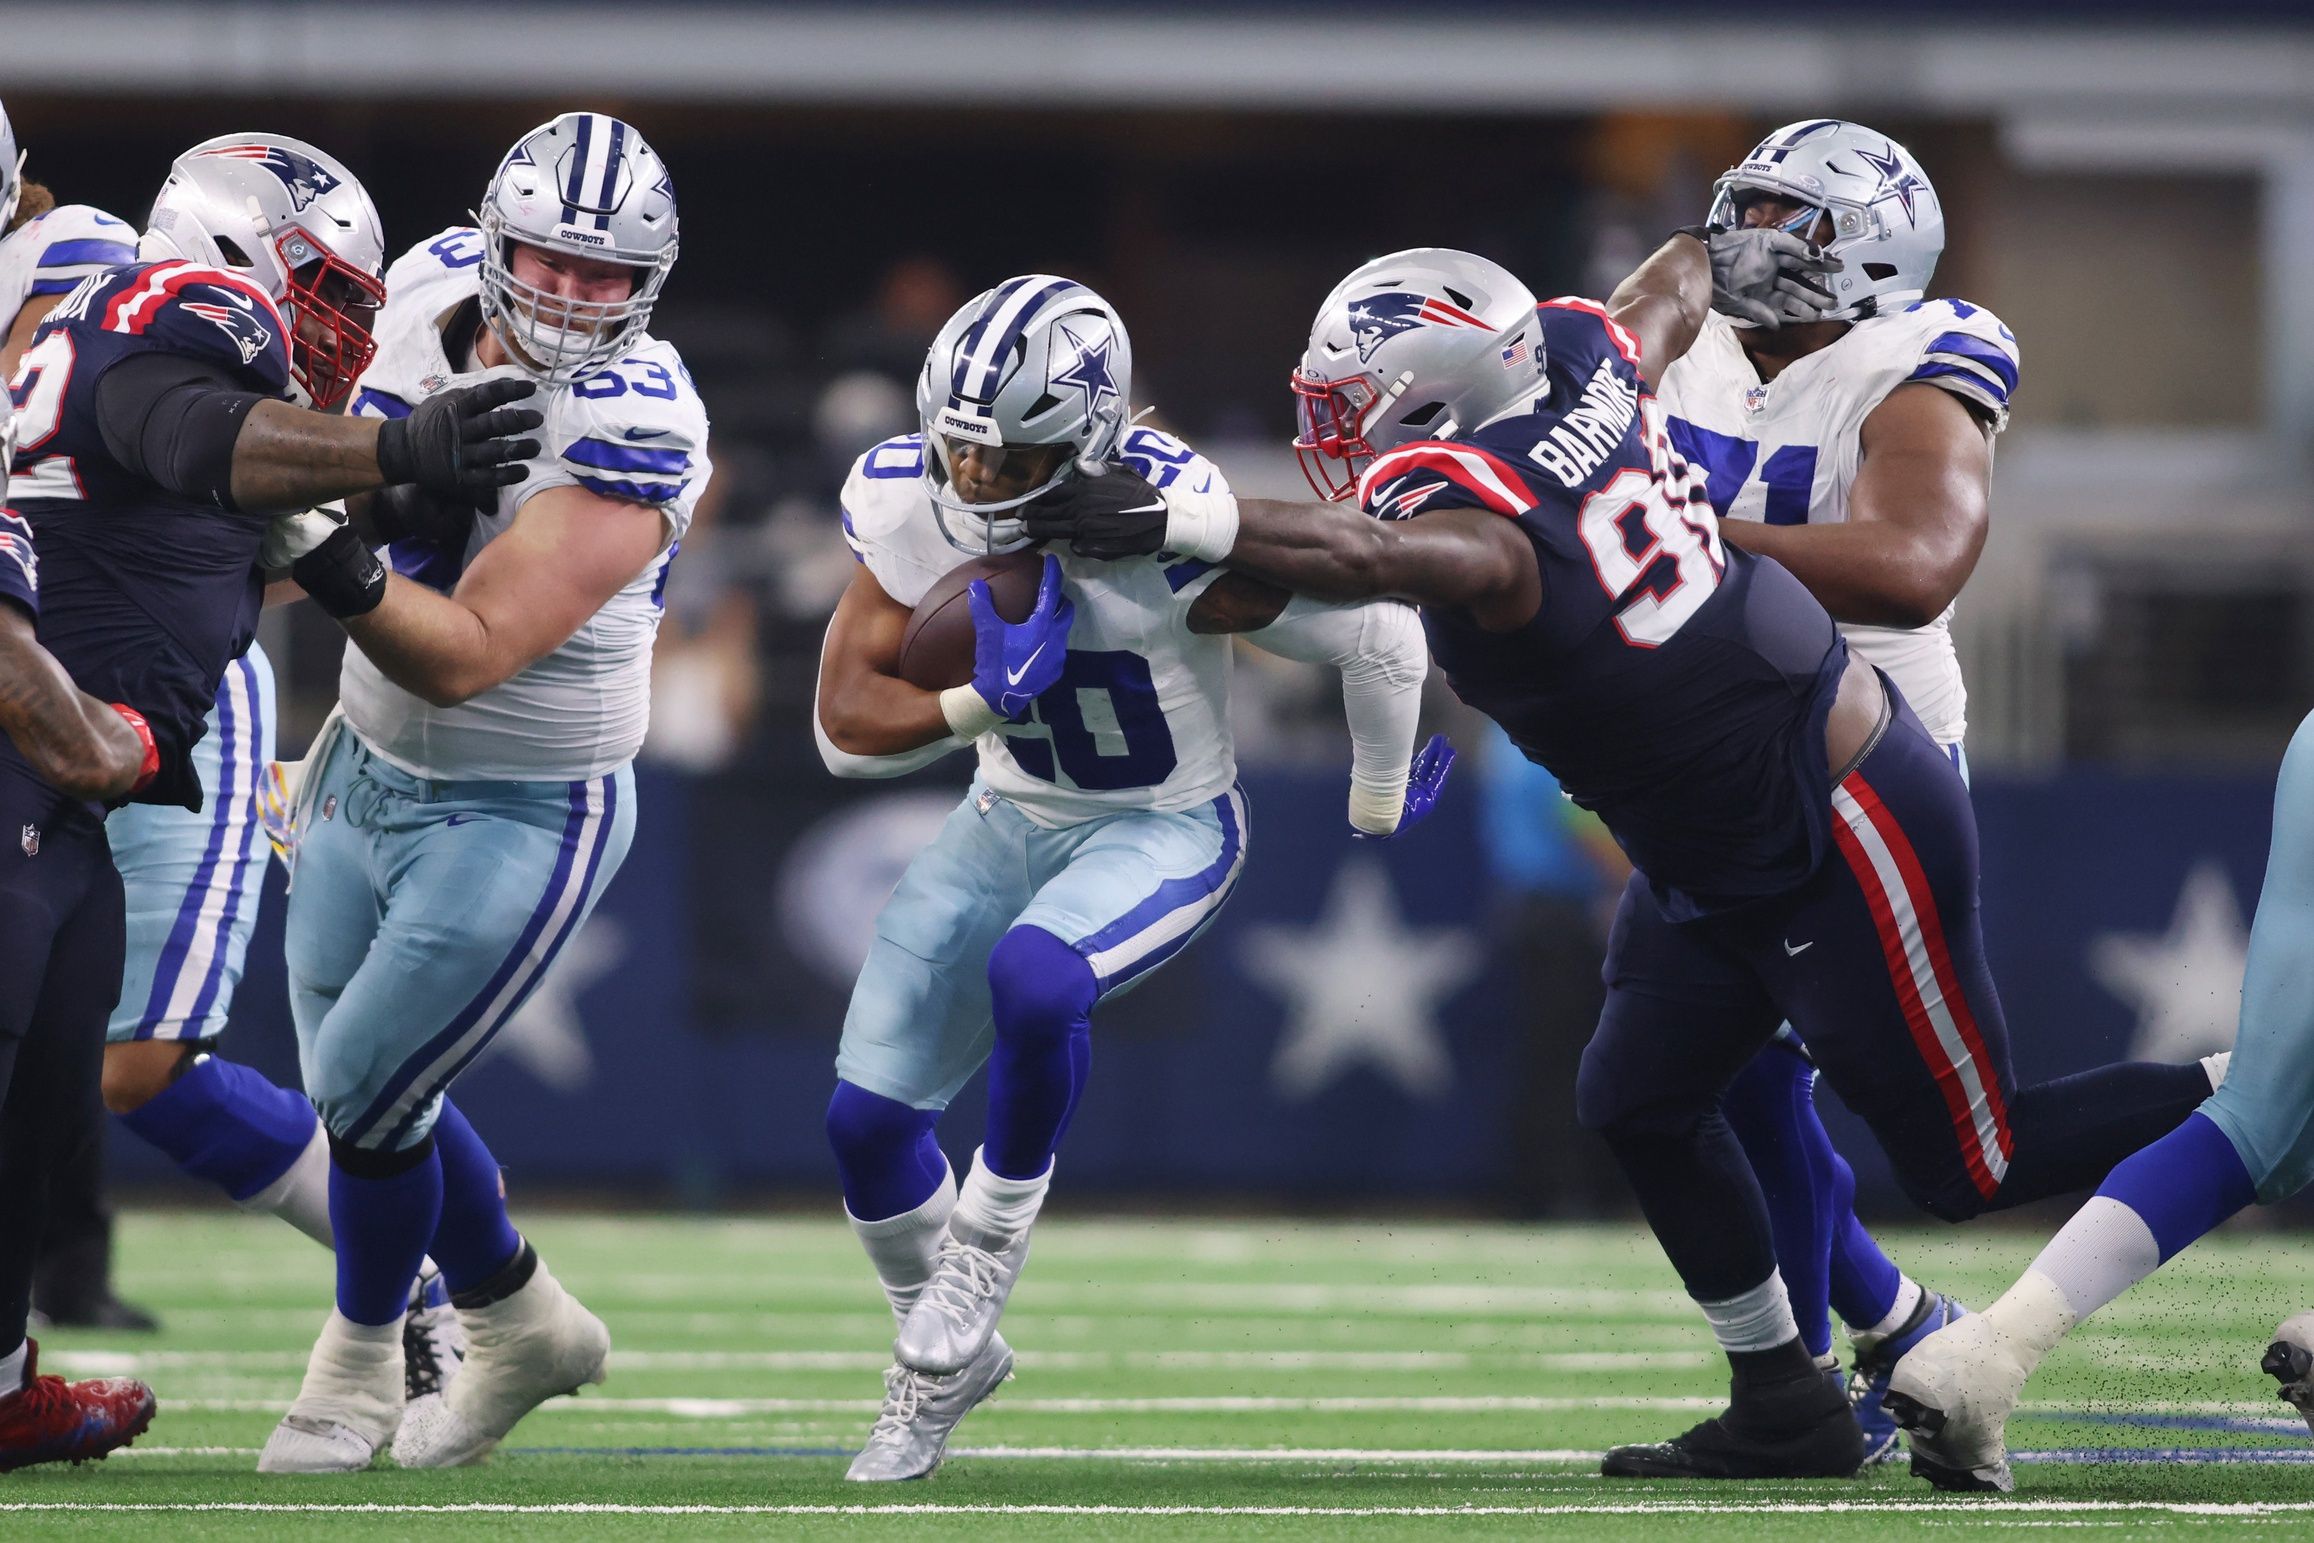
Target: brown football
{"points": [[936, 650]]}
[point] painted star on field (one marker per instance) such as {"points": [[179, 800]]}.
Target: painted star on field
{"points": [[1363, 989], [2186, 985]]}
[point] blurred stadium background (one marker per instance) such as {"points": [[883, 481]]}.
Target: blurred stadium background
{"points": [[1369, 1026]]}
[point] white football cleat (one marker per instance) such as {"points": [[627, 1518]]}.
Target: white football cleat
{"points": [[433, 1342], [1953, 1393], [349, 1405], [955, 1316], [2290, 1361], [521, 1350], [911, 1433]]}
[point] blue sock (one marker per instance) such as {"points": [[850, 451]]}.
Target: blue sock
{"points": [[474, 1240], [1772, 1107], [1864, 1281], [222, 1122], [382, 1207], [1043, 993], [2184, 1184], [886, 1152]]}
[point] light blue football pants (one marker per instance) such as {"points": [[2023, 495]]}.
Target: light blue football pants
{"points": [[1127, 891], [2266, 1107], [191, 879], [423, 914]]}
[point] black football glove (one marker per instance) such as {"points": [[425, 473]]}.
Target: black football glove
{"points": [[342, 575], [406, 511], [1768, 277], [1105, 512], [456, 443]]}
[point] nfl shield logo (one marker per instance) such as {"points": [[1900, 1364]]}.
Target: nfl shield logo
{"points": [[1755, 399], [30, 841]]}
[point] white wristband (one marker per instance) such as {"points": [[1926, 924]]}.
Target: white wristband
{"points": [[968, 712], [1376, 810], [1200, 525]]}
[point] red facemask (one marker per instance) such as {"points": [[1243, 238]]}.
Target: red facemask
{"points": [[1332, 446], [328, 363]]}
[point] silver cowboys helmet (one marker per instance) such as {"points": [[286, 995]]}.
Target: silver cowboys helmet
{"points": [[11, 172], [295, 223], [1034, 363], [584, 185], [1420, 344], [1887, 227]]}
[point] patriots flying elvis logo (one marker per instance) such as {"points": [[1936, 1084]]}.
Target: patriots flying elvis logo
{"points": [[1090, 373], [237, 321], [305, 177], [1378, 318], [1894, 179]]}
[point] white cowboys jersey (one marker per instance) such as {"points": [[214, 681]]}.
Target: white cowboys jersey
{"points": [[634, 430], [48, 257], [1786, 451], [1140, 719]]}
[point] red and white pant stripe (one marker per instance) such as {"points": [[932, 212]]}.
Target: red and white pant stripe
{"points": [[1921, 969]]}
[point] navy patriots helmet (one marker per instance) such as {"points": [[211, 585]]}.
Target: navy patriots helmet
{"points": [[297, 225], [1036, 362]]}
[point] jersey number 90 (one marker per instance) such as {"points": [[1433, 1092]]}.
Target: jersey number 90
{"points": [[1661, 561]]}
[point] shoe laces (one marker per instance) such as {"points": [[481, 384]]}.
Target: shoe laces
{"points": [[966, 1276], [44, 1398], [905, 1390], [421, 1357]]}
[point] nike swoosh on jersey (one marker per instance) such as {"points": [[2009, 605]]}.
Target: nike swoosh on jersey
{"points": [[648, 433], [1791, 952]]}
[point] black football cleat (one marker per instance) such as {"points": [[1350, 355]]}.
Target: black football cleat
{"points": [[1799, 1430]]}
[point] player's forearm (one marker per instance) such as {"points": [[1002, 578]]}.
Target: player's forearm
{"points": [[1873, 574], [287, 458], [1664, 303], [867, 714], [75, 743], [1325, 551], [431, 645]]}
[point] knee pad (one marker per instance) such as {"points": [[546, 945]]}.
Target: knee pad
{"points": [[1039, 985], [867, 1128]]}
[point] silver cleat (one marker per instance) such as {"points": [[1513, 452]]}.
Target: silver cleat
{"points": [[2289, 1360], [955, 1317], [910, 1435]]}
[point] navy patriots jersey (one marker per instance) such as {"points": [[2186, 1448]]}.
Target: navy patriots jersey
{"points": [[1675, 686], [146, 595]]}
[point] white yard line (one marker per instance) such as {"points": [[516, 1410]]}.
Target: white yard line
{"points": [[103, 1362], [727, 1408], [1996, 1508]]}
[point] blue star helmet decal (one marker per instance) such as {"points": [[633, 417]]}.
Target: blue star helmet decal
{"points": [[305, 178], [1090, 372], [1895, 179]]}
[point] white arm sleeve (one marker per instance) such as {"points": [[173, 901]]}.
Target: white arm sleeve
{"points": [[1379, 648], [845, 764]]}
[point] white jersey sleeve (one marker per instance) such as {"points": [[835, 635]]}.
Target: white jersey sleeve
{"points": [[49, 256], [634, 431], [1786, 451], [1140, 719]]}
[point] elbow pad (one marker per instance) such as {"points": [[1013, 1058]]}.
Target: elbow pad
{"points": [[174, 421], [1383, 658]]}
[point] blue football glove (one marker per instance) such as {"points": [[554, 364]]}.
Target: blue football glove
{"points": [[1013, 665], [1425, 782]]}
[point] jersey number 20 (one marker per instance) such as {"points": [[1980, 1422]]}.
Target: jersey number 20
{"points": [[1661, 561], [1107, 730]]}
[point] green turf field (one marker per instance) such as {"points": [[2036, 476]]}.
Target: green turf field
{"points": [[1178, 1379]]}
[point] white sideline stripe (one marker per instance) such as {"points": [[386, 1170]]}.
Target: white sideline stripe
{"points": [[131, 1363], [1944, 1507]]}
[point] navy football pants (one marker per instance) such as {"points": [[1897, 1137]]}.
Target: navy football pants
{"points": [[1879, 963], [62, 932]]}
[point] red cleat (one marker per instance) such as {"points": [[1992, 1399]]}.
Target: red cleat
{"points": [[49, 1420]]}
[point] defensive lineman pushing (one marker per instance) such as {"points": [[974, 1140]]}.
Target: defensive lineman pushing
{"points": [[458, 830], [1804, 851], [1104, 830]]}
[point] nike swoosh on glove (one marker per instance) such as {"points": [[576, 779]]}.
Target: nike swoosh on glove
{"points": [[1768, 277], [1106, 512], [1015, 663], [1425, 784]]}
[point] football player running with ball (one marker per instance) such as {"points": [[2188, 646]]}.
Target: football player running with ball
{"points": [[1845, 429], [456, 827], [1102, 834], [1803, 850]]}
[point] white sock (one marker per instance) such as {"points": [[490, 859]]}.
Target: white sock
{"points": [[2103, 1251], [988, 1203], [1760, 1319], [1908, 1295], [2216, 1066], [12, 1368], [906, 1248], [300, 1196]]}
